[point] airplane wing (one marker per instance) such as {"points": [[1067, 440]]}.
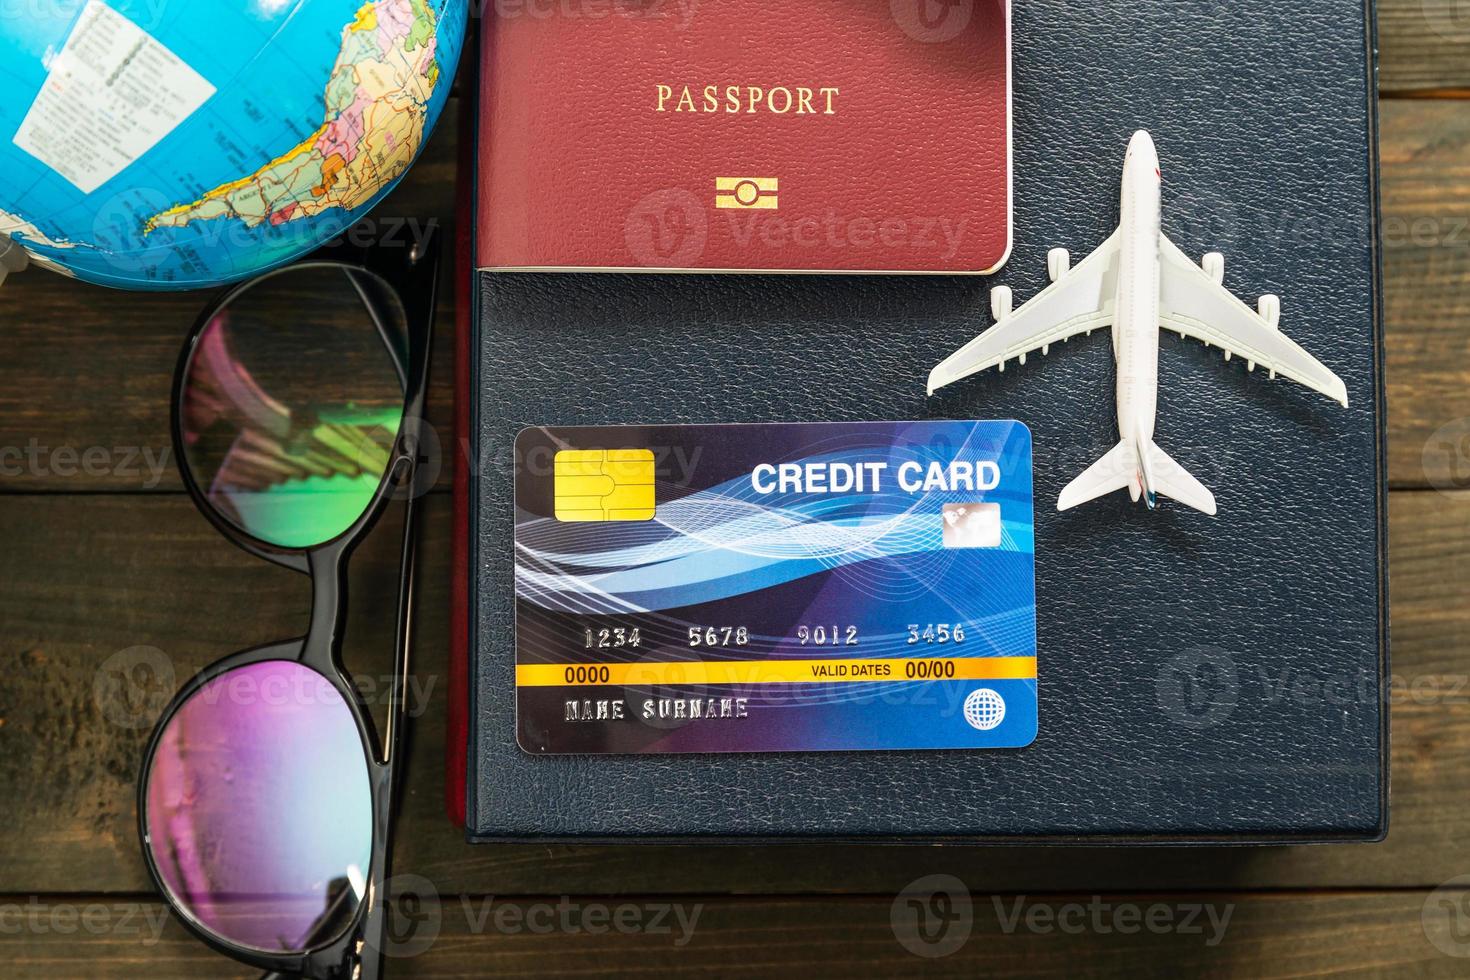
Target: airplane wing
{"points": [[1081, 299], [1193, 304]]}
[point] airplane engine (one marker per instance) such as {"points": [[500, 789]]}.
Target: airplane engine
{"points": [[1000, 302], [1058, 261], [1214, 266], [1270, 309]]}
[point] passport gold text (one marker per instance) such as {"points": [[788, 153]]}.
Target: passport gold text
{"points": [[749, 100]]}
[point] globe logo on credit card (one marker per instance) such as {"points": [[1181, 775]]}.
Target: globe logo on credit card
{"points": [[984, 709], [746, 193]]}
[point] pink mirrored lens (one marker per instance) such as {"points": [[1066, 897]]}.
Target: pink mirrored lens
{"points": [[259, 808]]}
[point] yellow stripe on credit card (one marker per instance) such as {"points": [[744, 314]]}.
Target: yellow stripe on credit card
{"points": [[776, 671], [604, 485]]}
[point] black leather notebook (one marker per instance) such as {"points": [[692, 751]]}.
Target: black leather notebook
{"points": [[1201, 678]]}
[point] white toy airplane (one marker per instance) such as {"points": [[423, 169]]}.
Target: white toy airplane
{"points": [[1138, 282]]}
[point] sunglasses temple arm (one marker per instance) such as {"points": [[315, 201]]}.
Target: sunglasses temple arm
{"points": [[403, 640]]}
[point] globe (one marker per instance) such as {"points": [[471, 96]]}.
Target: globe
{"points": [[173, 144]]}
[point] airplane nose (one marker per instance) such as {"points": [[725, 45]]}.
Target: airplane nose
{"points": [[1141, 152]]}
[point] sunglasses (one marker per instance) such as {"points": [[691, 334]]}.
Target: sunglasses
{"points": [[266, 798]]}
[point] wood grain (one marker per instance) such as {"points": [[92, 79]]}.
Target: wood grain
{"points": [[1426, 271], [1424, 46], [1225, 934]]}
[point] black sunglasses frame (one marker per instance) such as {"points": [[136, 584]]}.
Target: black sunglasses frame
{"points": [[412, 274]]}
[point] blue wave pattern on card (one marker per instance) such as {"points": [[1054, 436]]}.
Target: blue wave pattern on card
{"points": [[819, 547]]}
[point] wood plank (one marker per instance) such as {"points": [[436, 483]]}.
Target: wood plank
{"points": [[89, 576], [1424, 45], [1426, 209], [89, 369], [1191, 934]]}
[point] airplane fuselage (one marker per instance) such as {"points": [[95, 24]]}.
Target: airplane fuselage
{"points": [[1136, 323], [1137, 284]]}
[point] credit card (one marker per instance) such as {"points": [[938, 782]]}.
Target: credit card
{"points": [[795, 587]]}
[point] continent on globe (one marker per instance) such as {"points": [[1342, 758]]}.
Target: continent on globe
{"points": [[377, 103], [26, 234], [11, 224]]}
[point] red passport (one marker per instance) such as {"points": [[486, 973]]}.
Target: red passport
{"points": [[745, 136]]}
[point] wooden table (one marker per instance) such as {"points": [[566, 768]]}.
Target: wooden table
{"points": [[115, 589]]}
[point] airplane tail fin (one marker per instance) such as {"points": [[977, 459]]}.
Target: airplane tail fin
{"points": [[1174, 481], [1145, 474], [1116, 470]]}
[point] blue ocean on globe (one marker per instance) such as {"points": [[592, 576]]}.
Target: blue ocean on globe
{"points": [[173, 144]]}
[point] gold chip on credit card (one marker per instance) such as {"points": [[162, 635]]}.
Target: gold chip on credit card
{"points": [[604, 485]]}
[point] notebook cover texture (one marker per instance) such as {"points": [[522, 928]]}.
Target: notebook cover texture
{"points": [[1200, 678]]}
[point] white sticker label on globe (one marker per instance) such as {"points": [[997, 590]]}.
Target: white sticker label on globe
{"points": [[111, 94]]}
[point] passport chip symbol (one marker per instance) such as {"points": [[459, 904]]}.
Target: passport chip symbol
{"points": [[604, 485], [747, 193]]}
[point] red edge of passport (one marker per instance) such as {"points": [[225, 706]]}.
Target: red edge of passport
{"points": [[456, 736]]}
